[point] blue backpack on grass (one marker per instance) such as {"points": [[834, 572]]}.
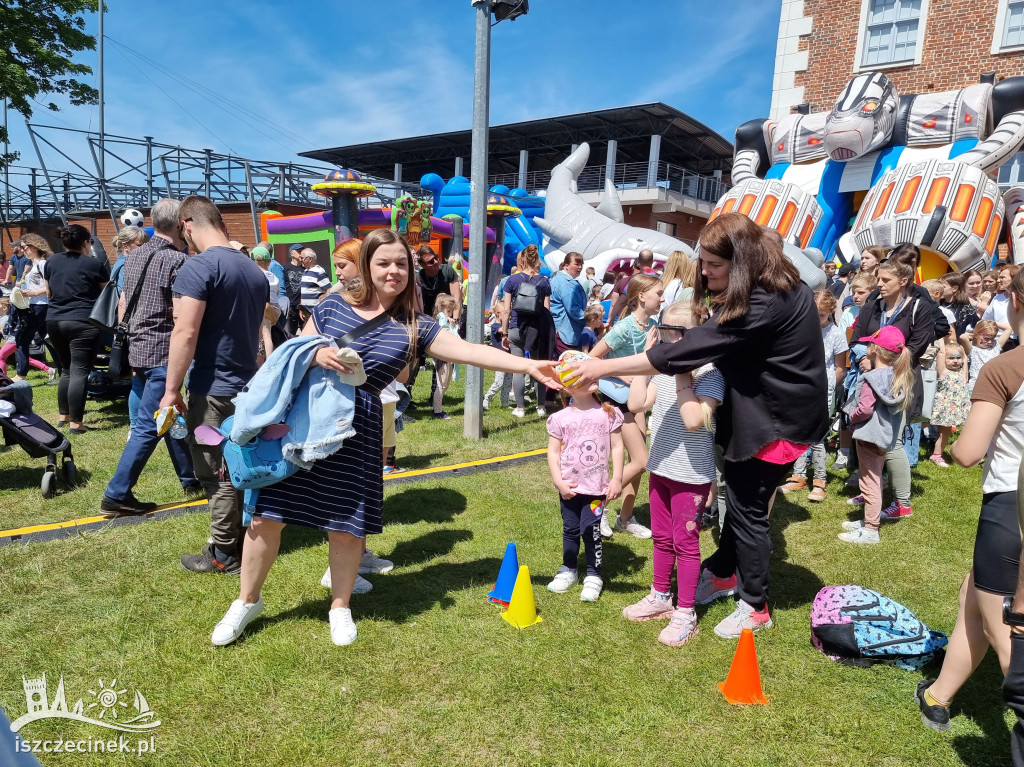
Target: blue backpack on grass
{"points": [[860, 627]]}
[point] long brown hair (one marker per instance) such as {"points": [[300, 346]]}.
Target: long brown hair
{"points": [[638, 283], [757, 262], [959, 283], [531, 258], [406, 306]]}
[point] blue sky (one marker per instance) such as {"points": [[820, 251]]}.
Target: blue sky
{"points": [[338, 72]]}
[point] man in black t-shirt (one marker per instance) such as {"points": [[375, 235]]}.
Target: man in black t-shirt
{"points": [[436, 278], [293, 287]]}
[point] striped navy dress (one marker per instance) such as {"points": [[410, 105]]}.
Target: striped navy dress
{"points": [[345, 491]]}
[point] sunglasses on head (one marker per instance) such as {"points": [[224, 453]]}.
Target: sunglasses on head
{"points": [[678, 328]]}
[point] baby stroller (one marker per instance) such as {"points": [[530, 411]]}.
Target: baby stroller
{"points": [[34, 435]]}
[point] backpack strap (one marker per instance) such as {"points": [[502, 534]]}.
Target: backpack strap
{"points": [[367, 327]]}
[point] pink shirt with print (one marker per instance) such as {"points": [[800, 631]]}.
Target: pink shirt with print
{"points": [[586, 445]]}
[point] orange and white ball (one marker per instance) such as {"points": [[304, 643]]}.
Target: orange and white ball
{"points": [[565, 375]]}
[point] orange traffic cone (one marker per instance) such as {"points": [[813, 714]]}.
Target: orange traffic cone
{"points": [[743, 685], [522, 610]]}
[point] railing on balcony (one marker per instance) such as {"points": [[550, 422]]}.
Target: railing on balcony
{"points": [[630, 175]]}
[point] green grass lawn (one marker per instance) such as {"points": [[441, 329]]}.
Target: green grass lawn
{"points": [[436, 677]]}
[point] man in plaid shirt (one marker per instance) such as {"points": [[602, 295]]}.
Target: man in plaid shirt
{"points": [[149, 341]]}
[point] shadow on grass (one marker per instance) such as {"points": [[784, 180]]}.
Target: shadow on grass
{"points": [[397, 597], [30, 474], [438, 504], [426, 461], [617, 562], [436, 543], [981, 700]]}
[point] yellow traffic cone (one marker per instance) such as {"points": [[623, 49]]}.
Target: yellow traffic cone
{"points": [[522, 610]]}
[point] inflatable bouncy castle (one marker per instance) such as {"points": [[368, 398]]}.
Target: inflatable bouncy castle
{"points": [[884, 168]]}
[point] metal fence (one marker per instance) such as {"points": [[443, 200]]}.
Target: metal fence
{"points": [[630, 175]]}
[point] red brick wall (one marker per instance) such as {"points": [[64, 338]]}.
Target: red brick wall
{"points": [[957, 48], [688, 227]]}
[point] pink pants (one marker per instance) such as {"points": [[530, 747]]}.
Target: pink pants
{"points": [[676, 510], [9, 349], [871, 459]]}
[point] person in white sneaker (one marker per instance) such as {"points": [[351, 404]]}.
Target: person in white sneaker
{"points": [[682, 469], [876, 410], [629, 336], [763, 323], [582, 439], [343, 493]]}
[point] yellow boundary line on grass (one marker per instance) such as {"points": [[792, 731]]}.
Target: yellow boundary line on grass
{"points": [[405, 475]]}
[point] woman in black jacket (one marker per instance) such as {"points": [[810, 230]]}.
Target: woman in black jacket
{"points": [[763, 328], [74, 280]]}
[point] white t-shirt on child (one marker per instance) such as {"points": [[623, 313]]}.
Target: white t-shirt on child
{"points": [[834, 341]]}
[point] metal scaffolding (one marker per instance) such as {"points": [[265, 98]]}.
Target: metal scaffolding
{"points": [[124, 172]]}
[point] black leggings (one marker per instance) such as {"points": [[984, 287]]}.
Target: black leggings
{"points": [[580, 521], [745, 547], [75, 343]]}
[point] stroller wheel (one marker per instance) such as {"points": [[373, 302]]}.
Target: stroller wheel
{"points": [[70, 472], [48, 486]]}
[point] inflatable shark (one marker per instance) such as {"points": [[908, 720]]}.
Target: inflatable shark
{"points": [[599, 234]]}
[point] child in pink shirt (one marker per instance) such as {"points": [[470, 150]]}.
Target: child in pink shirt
{"points": [[582, 438]]}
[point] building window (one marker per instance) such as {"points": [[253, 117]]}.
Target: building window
{"points": [[666, 228], [891, 32], [1009, 31]]}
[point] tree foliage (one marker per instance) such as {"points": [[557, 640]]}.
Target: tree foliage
{"points": [[38, 39]]}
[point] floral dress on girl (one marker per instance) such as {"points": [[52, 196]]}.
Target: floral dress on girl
{"points": [[951, 400]]}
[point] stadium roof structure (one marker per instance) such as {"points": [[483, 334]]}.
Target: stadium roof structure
{"points": [[685, 142]]}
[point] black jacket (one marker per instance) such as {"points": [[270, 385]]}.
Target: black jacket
{"points": [[772, 361], [921, 321]]}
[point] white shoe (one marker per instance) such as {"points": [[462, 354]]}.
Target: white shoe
{"points": [[855, 524], [235, 620], [361, 586], [860, 535], [592, 586], [606, 528], [371, 563], [487, 403], [541, 412], [632, 527], [840, 462], [519, 413], [564, 580], [343, 628]]}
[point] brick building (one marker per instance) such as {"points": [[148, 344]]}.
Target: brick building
{"points": [[922, 45]]}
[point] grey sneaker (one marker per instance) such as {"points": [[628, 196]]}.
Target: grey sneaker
{"points": [[632, 527], [371, 563], [361, 586]]}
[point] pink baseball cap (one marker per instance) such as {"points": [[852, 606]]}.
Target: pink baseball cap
{"points": [[889, 337]]}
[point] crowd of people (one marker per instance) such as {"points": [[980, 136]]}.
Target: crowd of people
{"points": [[728, 353]]}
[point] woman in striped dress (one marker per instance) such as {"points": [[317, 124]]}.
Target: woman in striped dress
{"points": [[343, 494]]}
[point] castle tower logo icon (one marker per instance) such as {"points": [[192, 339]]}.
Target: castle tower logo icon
{"points": [[108, 707]]}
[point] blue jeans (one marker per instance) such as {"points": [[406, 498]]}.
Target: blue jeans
{"points": [[134, 398], [912, 442], [144, 440]]}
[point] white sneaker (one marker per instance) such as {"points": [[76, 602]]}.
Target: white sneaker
{"points": [[564, 580], [860, 535], [541, 412], [487, 403], [371, 563], [632, 527], [606, 528], [518, 413], [362, 586], [343, 628], [235, 620], [592, 586], [855, 524], [840, 462]]}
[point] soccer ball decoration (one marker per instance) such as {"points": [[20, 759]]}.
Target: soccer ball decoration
{"points": [[132, 217]]}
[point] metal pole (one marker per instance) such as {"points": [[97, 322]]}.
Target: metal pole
{"points": [[149, 171], [478, 218], [49, 181], [7, 177], [103, 156], [252, 201]]}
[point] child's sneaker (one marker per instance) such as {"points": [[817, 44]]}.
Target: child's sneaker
{"points": [[744, 617], [841, 462], [855, 524], [632, 527], [857, 500], [651, 607], [853, 481], [793, 484], [541, 412], [564, 580], [592, 586], [896, 510], [711, 587], [487, 403], [939, 461], [606, 528], [818, 493], [681, 629], [518, 412], [860, 535]]}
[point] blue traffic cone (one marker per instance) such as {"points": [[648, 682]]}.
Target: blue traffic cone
{"points": [[502, 592]]}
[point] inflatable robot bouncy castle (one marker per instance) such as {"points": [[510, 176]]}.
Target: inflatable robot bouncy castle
{"points": [[882, 168]]}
